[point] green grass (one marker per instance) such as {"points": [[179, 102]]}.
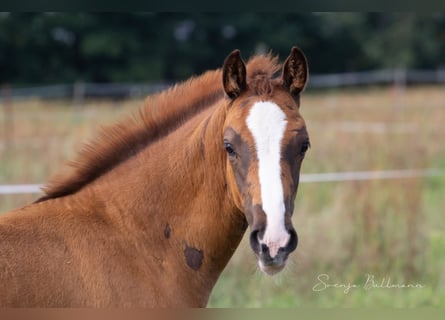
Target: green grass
{"points": [[388, 228]]}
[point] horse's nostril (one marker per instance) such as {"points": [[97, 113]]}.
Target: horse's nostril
{"points": [[293, 241], [264, 248], [255, 240]]}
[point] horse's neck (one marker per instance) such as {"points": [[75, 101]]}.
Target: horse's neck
{"points": [[173, 196]]}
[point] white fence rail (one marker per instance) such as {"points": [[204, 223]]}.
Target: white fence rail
{"points": [[80, 90], [398, 77], [304, 178], [369, 175], [20, 188]]}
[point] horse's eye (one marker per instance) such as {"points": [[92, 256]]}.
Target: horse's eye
{"points": [[304, 147], [229, 148]]}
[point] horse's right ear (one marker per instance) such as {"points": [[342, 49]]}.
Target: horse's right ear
{"points": [[234, 75]]}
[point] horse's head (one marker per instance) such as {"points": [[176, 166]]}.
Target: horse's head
{"points": [[265, 139]]}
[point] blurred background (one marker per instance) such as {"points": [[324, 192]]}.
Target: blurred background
{"points": [[375, 102]]}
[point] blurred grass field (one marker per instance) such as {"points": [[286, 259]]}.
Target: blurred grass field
{"points": [[390, 229]]}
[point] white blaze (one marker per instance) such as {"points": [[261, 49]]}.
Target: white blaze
{"points": [[267, 123]]}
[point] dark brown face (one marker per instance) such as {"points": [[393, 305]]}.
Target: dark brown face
{"points": [[265, 139], [265, 145]]}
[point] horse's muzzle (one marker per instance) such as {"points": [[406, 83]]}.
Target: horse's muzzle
{"points": [[268, 264]]}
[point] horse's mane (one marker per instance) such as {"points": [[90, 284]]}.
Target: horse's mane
{"points": [[160, 114]]}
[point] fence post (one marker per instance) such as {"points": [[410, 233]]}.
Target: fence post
{"points": [[8, 117]]}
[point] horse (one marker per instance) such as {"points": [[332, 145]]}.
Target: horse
{"points": [[150, 211]]}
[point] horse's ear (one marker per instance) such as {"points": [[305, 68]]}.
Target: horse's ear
{"points": [[295, 72], [234, 75]]}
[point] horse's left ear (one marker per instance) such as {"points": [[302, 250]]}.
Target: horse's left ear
{"points": [[234, 75], [295, 72]]}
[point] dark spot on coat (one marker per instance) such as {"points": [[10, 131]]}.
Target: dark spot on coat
{"points": [[167, 231], [193, 257]]}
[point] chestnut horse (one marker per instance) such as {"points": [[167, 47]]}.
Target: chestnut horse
{"points": [[151, 211]]}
